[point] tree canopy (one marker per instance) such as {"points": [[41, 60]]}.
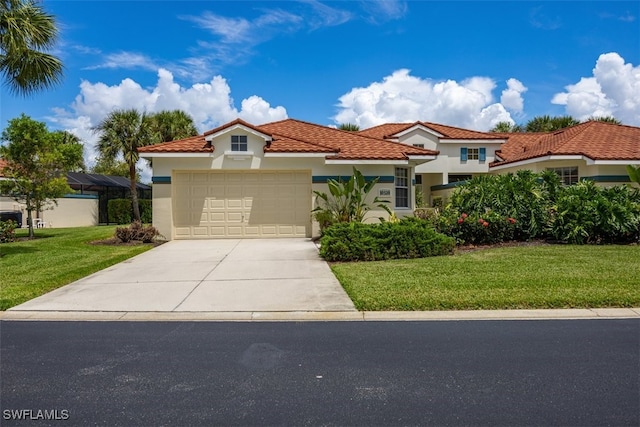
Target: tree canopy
{"points": [[27, 32], [37, 164], [547, 123]]}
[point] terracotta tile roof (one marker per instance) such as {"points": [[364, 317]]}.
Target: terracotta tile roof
{"points": [[595, 140], [194, 144], [347, 145], [230, 124], [389, 130], [295, 136]]}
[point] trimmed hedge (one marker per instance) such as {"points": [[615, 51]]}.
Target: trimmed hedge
{"points": [[120, 211], [408, 238]]}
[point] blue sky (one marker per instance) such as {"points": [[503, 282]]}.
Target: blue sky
{"points": [[468, 64]]}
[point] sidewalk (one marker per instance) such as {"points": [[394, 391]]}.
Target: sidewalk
{"points": [[322, 316]]}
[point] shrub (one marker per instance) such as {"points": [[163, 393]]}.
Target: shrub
{"points": [[120, 212], [476, 229], [407, 238], [585, 213], [137, 231], [525, 196], [7, 231]]}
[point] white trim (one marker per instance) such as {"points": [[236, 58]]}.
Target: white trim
{"points": [[211, 137], [147, 155], [472, 141], [365, 162], [267, 154], [421, 157], [613, 162], [238, 153], [420, 127], [535, 160]]}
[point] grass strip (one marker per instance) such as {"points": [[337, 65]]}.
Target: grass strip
{"points": [[546, 276]]}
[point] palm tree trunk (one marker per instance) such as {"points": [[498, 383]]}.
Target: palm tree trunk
{"points": [[134, 192]]}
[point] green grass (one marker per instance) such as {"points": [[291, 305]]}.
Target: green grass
{"points": [[547, 276], [55, 258]]}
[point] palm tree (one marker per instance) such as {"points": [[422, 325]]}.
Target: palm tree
{"points": [[26, 32], [350, 127], [605, 119], [550, 124], [506, 127], [172, 125], [122, 132]]}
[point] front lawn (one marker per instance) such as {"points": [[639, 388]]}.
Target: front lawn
{"points": [[542, 276], [56, 257]]}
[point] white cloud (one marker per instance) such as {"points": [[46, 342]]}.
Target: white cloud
{"points": [[210, 104], [614, 90], [511, 97], [402, 97], [127, 60]]}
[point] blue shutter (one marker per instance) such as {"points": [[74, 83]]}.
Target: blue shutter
{"points": [[463, 154], [482, 156]]}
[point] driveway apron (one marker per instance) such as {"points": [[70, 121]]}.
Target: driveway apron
{"points": [[207, 276]]}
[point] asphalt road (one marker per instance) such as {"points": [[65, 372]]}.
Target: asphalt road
{"points": [[511, 373]]}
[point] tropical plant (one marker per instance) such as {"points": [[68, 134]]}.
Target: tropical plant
{"points": [[605, 119], [351, 127], [634, 173], [111, 166], [524, 196], [347, 199], [172, 125], [37, 164], [26, 33], [585, 213], [121, 133], [507, 127], [548, 124]]}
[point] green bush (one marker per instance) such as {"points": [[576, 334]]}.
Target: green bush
{"points": [[526, 196], [407, 238], [585, 213], [7, 231], [120, 211], [476, 229]]}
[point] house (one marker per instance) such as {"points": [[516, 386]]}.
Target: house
{"points": [[595, 151], [241, 180], [463, 154], [86, 206]]}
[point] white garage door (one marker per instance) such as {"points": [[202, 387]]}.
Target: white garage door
{"points": [[208, 204]]}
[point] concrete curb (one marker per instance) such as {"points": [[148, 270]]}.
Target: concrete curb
{"points": [[322, 316]]}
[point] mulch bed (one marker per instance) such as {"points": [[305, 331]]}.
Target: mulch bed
{"points": [[117, 242]]}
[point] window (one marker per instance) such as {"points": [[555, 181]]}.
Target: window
{"points": [[418, 179], [418, 145], [473, 154], [568, 176], [402, 187], [458, 178], [239, 143]]}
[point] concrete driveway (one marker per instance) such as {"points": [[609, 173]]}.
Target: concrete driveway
{"points": [[207, 276]]}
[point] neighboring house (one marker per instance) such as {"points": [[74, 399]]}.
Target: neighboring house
{"points": [[241, 180], [463, 154], [593, 150], [86, 207]]}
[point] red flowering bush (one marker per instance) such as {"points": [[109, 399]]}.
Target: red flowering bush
{"points": [[475, 229]]}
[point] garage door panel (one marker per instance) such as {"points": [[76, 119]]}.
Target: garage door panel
{"points": [[239, 204]]}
